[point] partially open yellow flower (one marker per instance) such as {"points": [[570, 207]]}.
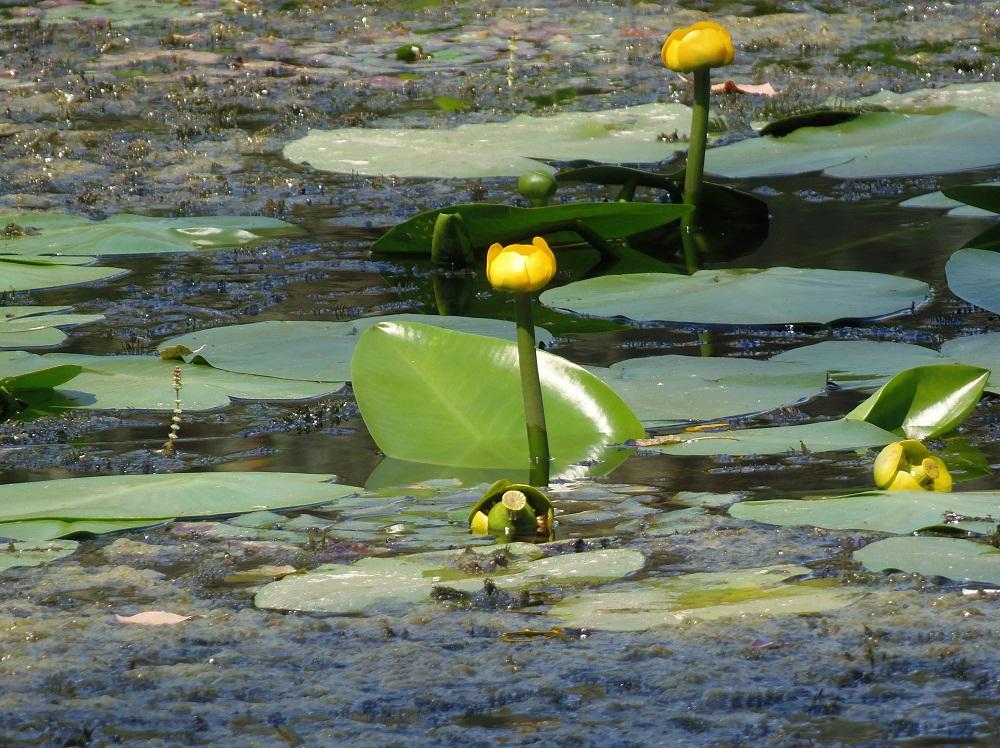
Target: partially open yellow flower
{"points": [[520, 267], [705, 44], [909, 466]]}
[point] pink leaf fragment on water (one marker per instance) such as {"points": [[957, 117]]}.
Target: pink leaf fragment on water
{"points": [[154, 618]]}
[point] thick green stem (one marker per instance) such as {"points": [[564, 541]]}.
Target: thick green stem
{"points": [[695, 171], [531, 388]]}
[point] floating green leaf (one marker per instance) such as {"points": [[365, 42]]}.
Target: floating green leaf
{"points": [[983, 196], [629, 135], [146, 383], [704, 596], [925, 401], [37, 326], [861, 363], [107, 503], [60, 236], [22, 275], [308, 350], [741, 297], [875, 144], [688, 388], [974, 275], [876, 511], [824, 436], [34, 553], [450, 398], [380, 582], [956, 559], [488, 223]]}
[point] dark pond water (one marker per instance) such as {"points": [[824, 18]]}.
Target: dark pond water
{"points": [[183, 110]]}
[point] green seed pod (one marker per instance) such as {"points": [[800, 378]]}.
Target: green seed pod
{"points": [[537, 187], [451, 243]]}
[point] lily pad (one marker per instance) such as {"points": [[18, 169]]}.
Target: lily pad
{"points": [[55, 508], [312, 351], [379, 582], [742, 297], [896, 512], [496, 148], [953, 558], [860, 364], [875, 144], [450, 398], [704, 596], [661, 389], [21, 275], [488, 223], [974, 275], [34, 553], [37, 326], [124, 234], [824, 436], [146, 383]]}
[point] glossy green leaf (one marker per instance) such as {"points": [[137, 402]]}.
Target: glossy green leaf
{"points": [[311, 350], [18, 275], [488, 223], [450, 398], [875, 144], [956, 559], [385, 582], [896, 512], [702, 596], [146, 383], [115, 501], [741, 297], [662, 389], [628, 135], [21, 370], [974, 275], [824, 436], [925, 401], [38, 326], [125, 234]]}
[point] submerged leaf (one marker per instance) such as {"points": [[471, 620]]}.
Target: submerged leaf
{"points": [[953, 558]]}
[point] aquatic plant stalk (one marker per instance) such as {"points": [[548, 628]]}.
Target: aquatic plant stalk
{"points": [[531, 389], [695, 172], [175, 421]]}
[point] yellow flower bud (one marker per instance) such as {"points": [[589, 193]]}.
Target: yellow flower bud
{"points": [[705, 44], [520, 267]]}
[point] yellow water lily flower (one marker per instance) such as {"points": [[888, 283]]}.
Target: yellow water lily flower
{"points": [[705, 44], [520, 267], [909, 466]]}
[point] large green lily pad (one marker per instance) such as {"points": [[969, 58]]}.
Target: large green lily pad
{"points": [[974, 275], [60, 236], [741, 297], [861, 364], [824, 436], [956, 559], [374, 582], [875, 144], [146, 383], [629, 135], [20, 275], [310, 350], [876, 511], [662, 389], [450, 398], [55, 508], [704, 596], [38, 326]]}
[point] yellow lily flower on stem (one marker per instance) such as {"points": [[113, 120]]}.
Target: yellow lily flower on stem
{"points": [[703, 45], [521, 267]]}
